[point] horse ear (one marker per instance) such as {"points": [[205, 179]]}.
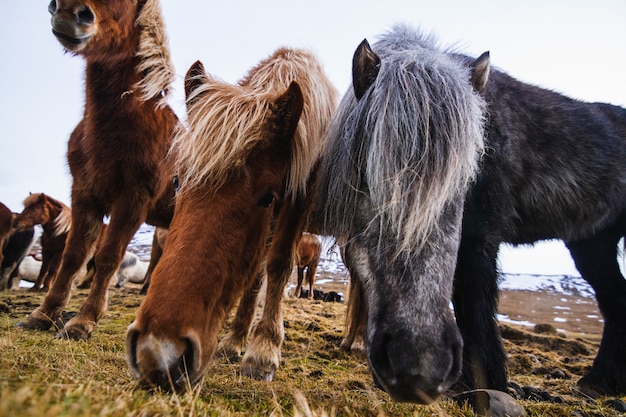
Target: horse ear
{"points": [[365, 67], [288, 108], [195, 77], [480, 72]]}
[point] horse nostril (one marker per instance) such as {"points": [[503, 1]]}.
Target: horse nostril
{"points": [[84, 16], [52, 7]]}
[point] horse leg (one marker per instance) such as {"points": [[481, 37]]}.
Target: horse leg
{"points": [[596, 260], [310, 276], [298, 291], [41, 280], [86, 226], [262, 357], [125, 220], [233, 344], [356, 319], [475, 299], [155, 255]]}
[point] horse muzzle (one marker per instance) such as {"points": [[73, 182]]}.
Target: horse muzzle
{"points": [[415, 369], [172, 364], [73, 26]]}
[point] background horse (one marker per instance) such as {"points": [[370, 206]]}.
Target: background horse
{"points": [[117, 152], [243, 165], [402, 150], [55, 218], [16, 248], [6, 226], [307, 257]]}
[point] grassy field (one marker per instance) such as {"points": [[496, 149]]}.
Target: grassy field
{"points": [[43, 376]]}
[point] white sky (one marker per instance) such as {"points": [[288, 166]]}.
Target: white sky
{"points": [[575, 47]]}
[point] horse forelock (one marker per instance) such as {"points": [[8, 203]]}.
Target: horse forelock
{"points": [[155, 61], [225, 125], [411, 144]]}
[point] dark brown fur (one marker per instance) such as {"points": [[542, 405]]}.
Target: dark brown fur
{"points": [[6, 221]]}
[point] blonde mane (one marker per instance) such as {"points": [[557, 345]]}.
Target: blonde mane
{"points": [[155, 61], [224, 122]]}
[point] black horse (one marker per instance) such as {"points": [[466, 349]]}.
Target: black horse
{"points": [[554, 168]]}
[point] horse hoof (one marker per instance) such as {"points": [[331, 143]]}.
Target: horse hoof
{"points": [[75, 331], [595, 387], [491, 403], [33, 322], [258, 374]]}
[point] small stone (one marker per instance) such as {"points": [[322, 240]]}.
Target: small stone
{"points": [[491, 403]]}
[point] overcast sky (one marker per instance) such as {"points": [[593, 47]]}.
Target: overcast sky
{"points": [[575, 47]]}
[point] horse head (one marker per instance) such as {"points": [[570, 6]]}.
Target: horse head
{"points": [[35, 211], [77, 24], [394, 177], [233, 160]]}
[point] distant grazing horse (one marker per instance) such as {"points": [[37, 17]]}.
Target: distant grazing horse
{"points": [[307, 257], [55, 218], [554, 168], [402, 151], [17, 247], [117, 153], [243, 166]]}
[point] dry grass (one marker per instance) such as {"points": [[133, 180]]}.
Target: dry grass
{"points": [[43, 376]]}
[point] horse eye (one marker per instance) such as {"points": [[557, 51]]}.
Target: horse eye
{"points": [[266, 200]]}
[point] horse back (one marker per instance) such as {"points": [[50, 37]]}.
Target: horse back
{"points": [[554, 166]]}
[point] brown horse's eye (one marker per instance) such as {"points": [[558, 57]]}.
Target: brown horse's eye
{"points": [[267, 200]]}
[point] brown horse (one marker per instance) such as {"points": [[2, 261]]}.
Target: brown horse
{"points": [[244, 165], [117, 153], [55, 218], [307, 258]]}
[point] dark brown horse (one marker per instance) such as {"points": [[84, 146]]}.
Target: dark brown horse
{"points": [[243, 164], [117, 153], [55, 218], [307, 258], [6, 226]]}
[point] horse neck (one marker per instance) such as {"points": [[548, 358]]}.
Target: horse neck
{"points": [[111, 83]]}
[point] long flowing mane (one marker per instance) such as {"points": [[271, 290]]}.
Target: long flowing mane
{"points": [[155, 62], [411, 144], [63, 221], [235, 113]]}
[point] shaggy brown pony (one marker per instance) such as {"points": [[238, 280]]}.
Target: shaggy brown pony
{"points": [[117, 153], [55, 218], [244, 165]]}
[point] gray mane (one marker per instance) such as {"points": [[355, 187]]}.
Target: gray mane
{"points": [[410, 145]]}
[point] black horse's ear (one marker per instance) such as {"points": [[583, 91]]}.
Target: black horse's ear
{"points": [[288, 108], [195, 77], [480, 72], [365, 67]]}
